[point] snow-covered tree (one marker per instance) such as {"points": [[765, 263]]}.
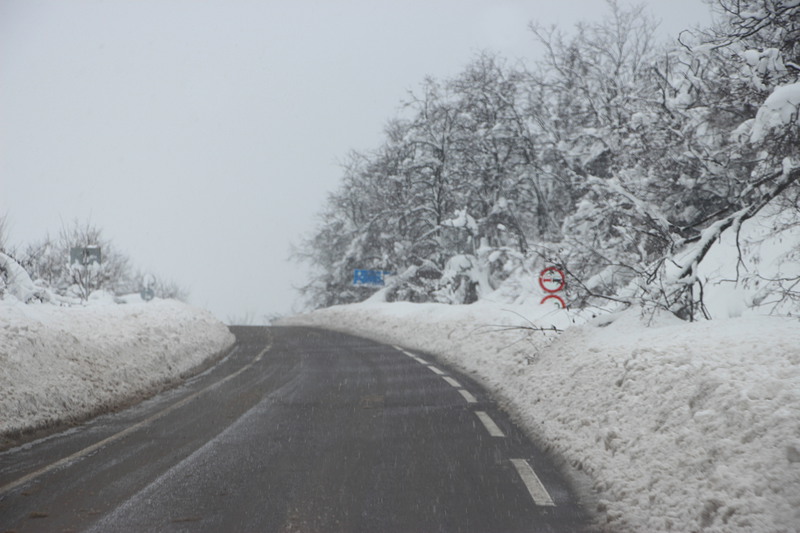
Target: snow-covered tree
{"points": [[603, 136], [48, 262], [621, 159], [736, 90]]}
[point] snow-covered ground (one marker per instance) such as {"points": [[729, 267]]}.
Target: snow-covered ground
{"points": [[681, 426], [61, 364]]}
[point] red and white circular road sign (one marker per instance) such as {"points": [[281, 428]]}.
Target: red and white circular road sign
{"points": [[555, 299], [552, 280]]}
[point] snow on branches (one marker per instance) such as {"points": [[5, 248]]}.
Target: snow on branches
{"points": [[620, 159]]}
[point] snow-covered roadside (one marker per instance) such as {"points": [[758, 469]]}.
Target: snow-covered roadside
{"points": [[682, 427], [62, 364]]}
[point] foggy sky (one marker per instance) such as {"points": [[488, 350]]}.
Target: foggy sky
{"points": [[203, 136]]}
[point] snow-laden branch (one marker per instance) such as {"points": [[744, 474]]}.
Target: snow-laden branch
{"points": [[789, 175]]}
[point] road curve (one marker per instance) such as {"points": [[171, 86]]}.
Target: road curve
{"points": [[297, 430]]}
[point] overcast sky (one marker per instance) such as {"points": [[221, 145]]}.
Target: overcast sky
{"points": [[203, 136]]}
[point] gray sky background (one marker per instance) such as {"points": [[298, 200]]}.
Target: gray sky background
{"points": [[203, 136]]}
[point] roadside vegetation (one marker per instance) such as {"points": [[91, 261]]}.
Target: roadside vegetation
{"points": [[619, 158], [45, 271]]}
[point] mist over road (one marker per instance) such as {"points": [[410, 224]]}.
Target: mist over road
{"points": [[301, 430]]}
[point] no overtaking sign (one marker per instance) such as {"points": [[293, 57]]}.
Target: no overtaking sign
{"points": [[552, 280]]}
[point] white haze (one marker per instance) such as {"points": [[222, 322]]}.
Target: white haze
{"points": [[203, 136]]}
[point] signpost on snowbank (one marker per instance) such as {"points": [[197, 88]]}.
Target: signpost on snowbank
{"points": [[552, 280], [147, 292]]}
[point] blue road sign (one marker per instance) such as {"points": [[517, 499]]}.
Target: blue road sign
{"points": [[369, 278]]}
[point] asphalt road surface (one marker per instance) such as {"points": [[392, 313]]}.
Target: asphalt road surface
{"points": [[296, 430]]}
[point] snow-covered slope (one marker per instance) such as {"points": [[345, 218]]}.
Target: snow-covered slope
{"points": [[60, 364], [681, 426]]}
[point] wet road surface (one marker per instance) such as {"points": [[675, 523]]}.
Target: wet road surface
{"points": [[296, 430]]}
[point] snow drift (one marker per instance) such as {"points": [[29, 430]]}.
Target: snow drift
{"points": [[63, 364]]}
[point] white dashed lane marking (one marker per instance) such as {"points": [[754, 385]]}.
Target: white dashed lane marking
{"points": [[411, 355], [436, 370], [399, 349], [532, 482], [534, 485], [489, 424], [467, 396], [452, 382]]}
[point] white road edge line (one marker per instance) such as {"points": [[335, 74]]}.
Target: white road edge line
{"points": [[468, 396], [125, 432], [489, 424], [436, 370], [452, 382], [534, 485]]}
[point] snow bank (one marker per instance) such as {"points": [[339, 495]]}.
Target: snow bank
{"points": [[682, 427], [62, 364], [751, 272]]}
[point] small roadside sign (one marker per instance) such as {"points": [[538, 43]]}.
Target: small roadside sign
{"points": [[553, 298], [85, 255], [551, 279], [369, 278]]}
